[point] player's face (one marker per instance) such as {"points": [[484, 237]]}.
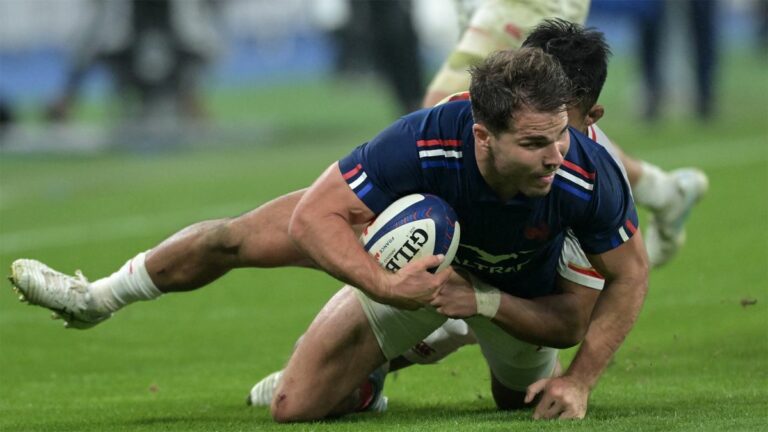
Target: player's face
{"points": [[525, 158]]}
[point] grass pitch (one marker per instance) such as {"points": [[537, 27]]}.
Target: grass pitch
{"points": [[695, 361]]}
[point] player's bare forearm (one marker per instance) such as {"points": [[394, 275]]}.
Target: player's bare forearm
{"points": [[626, 271], [558, 320], [321, 226]]}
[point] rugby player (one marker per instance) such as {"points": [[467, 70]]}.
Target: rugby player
{"points": [[504, 24], [186, 261], [519, 178]]}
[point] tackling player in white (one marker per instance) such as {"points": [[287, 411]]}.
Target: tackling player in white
{"points": [[491, 25]]}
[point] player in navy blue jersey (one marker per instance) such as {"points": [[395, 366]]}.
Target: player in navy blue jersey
{"points": [[518, 179], [205, 251]]}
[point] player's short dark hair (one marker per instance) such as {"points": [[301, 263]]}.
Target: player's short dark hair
{"points": [[582, 52], [508, 81]]}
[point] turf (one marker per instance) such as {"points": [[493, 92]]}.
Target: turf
{"points": [[695, 361]]}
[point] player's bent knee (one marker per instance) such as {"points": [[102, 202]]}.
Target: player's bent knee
{"points": [[507, 399], [282, 414], [289, 407]]}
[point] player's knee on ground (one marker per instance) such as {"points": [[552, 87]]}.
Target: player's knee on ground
{"points": [[332, 360]]}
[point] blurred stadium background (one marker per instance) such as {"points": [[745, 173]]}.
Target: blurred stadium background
{"points": [[51, 50], [279, 92]]}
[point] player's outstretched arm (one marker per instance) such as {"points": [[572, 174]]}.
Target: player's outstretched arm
{"points": [[321, 226], [626, 274], [559, 320]]}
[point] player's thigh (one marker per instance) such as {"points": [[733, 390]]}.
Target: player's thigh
{"points": [[332, 359], [261, 235], [514, 364]]}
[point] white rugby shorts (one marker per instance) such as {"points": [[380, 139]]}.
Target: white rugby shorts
{"points": [[516, 364]]}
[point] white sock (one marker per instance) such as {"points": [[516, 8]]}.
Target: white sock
{"points": [[129, 284], [655, 188]]}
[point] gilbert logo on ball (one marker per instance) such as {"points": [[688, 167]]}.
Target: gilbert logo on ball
{"points": [[412, 227]]}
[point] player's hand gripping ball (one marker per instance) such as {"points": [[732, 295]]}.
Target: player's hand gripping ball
{"points": [[412, 227]]}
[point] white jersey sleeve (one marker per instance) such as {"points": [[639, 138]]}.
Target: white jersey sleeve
{"points": [[597, 135], [575, 266]]}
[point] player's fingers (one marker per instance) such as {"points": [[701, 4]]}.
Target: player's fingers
{"points": [[571, 413], [444, 276], [535, 389], [548, 408], [574, 409], [436, 300], [428, 262]]}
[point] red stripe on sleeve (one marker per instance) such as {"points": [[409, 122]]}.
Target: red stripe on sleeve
{"points": [[631, 227], [579, 169], [352, 172], [438, 142]]}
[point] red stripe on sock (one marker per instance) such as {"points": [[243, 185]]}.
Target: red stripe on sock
{"points": [[366, 396]]}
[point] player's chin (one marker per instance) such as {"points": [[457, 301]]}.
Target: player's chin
{"points": [[538, 190]]}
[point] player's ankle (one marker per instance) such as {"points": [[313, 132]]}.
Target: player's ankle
{"points": [[131, 283]]}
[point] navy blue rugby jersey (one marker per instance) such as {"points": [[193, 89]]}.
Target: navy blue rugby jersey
{"points": [[513, 245]]}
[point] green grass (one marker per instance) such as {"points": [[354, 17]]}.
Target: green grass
{"points": [[697, 359]]}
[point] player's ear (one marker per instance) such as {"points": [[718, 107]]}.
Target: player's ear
{"points": [[594, 114], [482, 135]]}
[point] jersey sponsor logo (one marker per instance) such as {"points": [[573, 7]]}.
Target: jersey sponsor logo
{"points": [[490, 269], [523, 258]]}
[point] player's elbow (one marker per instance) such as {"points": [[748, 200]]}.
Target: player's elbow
{"points": [[570, 336], [298, 226]]}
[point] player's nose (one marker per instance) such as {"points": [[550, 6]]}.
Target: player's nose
{"points": [[553, 156]]}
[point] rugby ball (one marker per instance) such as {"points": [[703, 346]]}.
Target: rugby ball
{"points": [[412, 227]]}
